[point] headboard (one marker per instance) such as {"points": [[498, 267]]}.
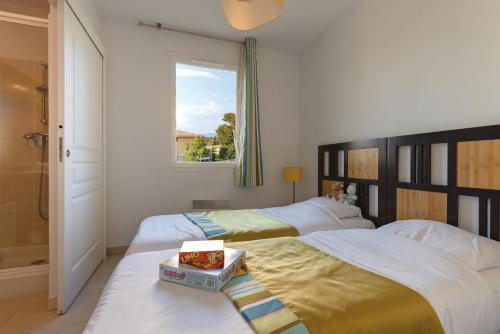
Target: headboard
{"points": [[471, 164], [360, 162]]}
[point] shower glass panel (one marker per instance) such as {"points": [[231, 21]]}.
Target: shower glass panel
{"points": [[23, 145]]}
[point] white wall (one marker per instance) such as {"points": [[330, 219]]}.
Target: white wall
{"points": [[140, 181], [393, 67]]}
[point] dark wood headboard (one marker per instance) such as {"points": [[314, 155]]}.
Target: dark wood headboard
{"points": [[364, 163], [473, 169]]}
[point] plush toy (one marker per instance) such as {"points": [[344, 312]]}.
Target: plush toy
{"points": [[336, 191], [351, 197]]}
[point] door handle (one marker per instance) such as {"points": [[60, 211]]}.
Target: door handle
{"points": [[68, 153], [60, 149]]}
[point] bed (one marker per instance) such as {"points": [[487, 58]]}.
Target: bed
{"points": [[464, 300], [451, 275], [316, 214], [364, 163]]}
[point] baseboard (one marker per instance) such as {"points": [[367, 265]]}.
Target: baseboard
{"points": [[115, 250], [52, 303]]}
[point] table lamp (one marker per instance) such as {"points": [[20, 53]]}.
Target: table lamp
{"points": [[293, 174]]}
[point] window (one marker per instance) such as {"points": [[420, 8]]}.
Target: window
{"points": [[205, 113]]}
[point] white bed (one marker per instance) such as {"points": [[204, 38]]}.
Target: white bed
{"points": [[135, 301], [316, 214], [492, 277]]}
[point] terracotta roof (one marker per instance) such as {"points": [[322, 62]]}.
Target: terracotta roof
{"points": [[186, 134]]}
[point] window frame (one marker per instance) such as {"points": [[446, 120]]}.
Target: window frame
{"points": [[198, 62]]}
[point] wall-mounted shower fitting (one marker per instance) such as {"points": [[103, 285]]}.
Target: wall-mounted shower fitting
{"points": [[36, 138], [44, 90]]}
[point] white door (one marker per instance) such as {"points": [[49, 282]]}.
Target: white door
{"points": [[83, 190]]}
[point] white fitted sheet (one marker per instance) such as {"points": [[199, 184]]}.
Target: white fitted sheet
{"points": [[169, 231], [136, 301], [492, 277]]}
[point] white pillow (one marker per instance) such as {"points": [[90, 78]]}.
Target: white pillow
{"points": [[340, 210], [478, 252]]}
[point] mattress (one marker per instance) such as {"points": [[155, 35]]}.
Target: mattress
{"points": [[136, 301], [170, 231]]}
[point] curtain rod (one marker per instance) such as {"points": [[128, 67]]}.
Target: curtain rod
{"points": [[160, 26]]}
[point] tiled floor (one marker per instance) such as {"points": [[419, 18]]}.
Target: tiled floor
{"points": [[30, 315]]}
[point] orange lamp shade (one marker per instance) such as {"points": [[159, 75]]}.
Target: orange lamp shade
{"points": [[293, 174], [250, 14]]}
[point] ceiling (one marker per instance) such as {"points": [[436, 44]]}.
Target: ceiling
{"points": [[303, 21]]}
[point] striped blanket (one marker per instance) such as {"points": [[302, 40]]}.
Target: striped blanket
{"points": [[211, 230], [264, 312], [240, 225]]}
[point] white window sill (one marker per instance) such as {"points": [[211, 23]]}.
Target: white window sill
{"points": [[202, 166]]}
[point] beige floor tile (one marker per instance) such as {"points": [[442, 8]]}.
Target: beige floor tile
{"points": [[98, 281], [8, 308], [93, 288], [80, 311], [69, 329], [30, 314], [30, 317], [110, 264], [98, 277]]}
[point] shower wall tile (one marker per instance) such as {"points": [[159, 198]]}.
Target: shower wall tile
{"points": [[25, 228], [17, 78], [36, 185], [7, 229], [22, 228], [17, 111], [16, 151], [41, 230], [37, 74], [21, 68], [37, 118], [17, 191], [12, 125]]}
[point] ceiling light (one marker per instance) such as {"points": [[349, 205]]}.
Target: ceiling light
{"points": [[250, 14]]}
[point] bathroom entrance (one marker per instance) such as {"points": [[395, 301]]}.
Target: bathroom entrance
{"points": [[24, 226]]}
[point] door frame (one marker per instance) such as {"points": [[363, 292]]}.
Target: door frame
{"points": [[56, 132]]}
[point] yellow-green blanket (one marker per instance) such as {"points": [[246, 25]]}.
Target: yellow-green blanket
{"points": [[332, 296], [245, 225]]}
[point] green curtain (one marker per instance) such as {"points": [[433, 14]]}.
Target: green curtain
{"points": [[248, 148]]}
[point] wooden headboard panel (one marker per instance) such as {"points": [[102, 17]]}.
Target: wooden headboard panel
{"points": [[473, 169], [360, 162], [478, 164]]}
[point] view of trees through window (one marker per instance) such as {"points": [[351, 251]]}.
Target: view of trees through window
{"points": [[205, 114]]}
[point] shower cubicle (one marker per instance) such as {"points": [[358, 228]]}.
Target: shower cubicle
{"points": [[24, 228]]}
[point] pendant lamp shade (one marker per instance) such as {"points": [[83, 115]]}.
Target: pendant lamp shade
{"points": [[250, 14]]}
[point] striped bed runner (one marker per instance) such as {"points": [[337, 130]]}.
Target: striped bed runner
{"points": [[211, 230], [264, 312]]}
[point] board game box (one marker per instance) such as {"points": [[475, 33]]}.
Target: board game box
{"points": [[208, 280], [207, 254]]}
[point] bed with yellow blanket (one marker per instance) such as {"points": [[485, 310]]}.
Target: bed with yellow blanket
{"points": [[349, 281], [316, 214]]}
